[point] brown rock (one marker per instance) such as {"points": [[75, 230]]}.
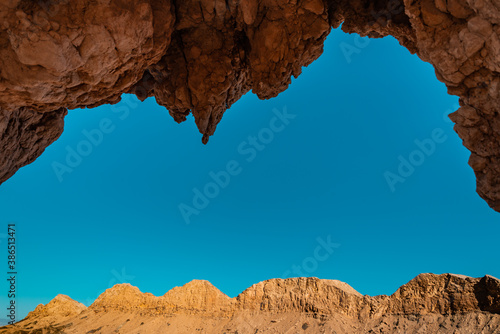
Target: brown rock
{"points": [[429, 303], [24, 135], [302, 294], [61, 308], [199, 297], [200, 57]]}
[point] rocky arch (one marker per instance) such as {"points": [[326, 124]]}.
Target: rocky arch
{"points": [[200, 56]]}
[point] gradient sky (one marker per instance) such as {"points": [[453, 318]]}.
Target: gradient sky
{"points": [[115, 218]]}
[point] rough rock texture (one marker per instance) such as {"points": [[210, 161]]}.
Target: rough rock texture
{"points": [[429, 303], [221, 50], [199, 297], [78, 53], [199, 57], [461, 39], [194, 297], [302, 295], [58, 309], [61, 305], [24, 135]]}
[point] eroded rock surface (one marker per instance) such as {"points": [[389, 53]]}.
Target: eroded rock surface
{"points": [[24, 135], [429, 303], [200, 57], [58, 309]]}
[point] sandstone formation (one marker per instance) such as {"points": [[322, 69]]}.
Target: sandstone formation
{"points": [[60, 308], [428, 304], [24, 135], [199, 57]]}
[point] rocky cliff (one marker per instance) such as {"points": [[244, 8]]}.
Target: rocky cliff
{"points": [[429, 303], [199, 57]]}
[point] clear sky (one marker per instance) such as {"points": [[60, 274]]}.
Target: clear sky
{"points": [[311, 198]]}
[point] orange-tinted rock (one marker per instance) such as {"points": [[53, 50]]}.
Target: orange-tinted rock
{"points": [[429, 303], [200, 57]]}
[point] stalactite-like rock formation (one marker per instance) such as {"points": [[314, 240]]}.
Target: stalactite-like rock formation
{"points": [[199, 57]]}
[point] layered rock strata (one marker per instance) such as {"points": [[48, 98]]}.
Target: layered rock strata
{"points": [[432, 303]]}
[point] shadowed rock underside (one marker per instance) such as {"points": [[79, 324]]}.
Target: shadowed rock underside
{"points": [[199, 57]]}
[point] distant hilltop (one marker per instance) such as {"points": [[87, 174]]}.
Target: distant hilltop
{"points": [[429, 303]]}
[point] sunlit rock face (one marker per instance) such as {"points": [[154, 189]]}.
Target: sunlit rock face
{"points": [[200, 57], [427, 304]]}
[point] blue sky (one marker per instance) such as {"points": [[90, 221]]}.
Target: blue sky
{"points": [[320, 179]]}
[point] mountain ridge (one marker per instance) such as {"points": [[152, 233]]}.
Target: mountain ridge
{"points": [[456, 302]]}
